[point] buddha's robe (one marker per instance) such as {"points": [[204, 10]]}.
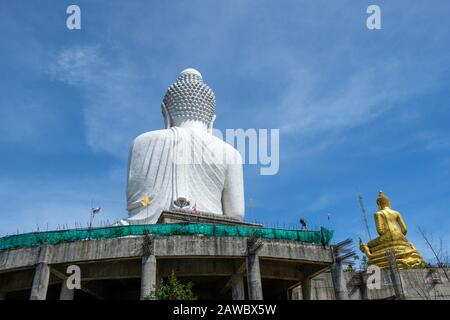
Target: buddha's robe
{"points": [[165, 165], [390, 226]]}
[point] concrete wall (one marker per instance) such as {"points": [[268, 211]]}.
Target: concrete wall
{"points": [[277, 265], [416, 284], [172, 246]]}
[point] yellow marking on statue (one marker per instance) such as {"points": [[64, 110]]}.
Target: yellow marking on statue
{"points": [[145, 201]]}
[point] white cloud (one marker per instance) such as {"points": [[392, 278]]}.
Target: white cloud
{"points": [[361, 97], [117, 98]]}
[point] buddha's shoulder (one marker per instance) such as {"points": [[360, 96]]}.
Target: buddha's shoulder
{"points": [[387, 212], [153, 135], [231, 149], [232, 154], [219, 147], [222, 144]]}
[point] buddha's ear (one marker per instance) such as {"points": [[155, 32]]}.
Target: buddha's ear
{"points": [[210, 126], [167, 119]]}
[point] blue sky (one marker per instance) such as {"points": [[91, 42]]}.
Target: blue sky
{"points": [[358, 110]]}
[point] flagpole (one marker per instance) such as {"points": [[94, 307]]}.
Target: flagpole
{"points": [[90, 220], [92, 214]]}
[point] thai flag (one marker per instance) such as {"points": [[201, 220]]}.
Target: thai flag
{"points": [[96, 210]]}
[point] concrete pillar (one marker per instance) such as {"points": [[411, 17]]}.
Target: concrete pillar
{"points": [[148, 275], [306, 289], [237, 287], [66, 293], [40, 282], [339, 283], [397, 283], [363, 285], [254, 283], [290, 294]]}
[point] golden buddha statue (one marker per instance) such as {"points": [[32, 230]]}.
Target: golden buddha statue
{"points": [[392, 230]]}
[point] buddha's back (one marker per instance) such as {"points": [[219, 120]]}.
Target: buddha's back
{"points": [[184, 166], [170, 164]]}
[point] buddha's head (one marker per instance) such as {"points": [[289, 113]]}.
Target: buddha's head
{"points": [[189, 101], [383, 201]]}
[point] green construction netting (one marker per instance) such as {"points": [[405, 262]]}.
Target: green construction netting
{"points": [[54, 237]]}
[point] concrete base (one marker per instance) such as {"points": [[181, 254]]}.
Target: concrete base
{"points": [[66, 293], [339, 283], [188, 216], [148, 276], [40, 282], [254, 278], [417, 284], [397, 283], [306, 289], [237, 287], [115, 269]]}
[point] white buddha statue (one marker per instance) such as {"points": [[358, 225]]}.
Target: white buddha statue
{"points": [[184, 166]]}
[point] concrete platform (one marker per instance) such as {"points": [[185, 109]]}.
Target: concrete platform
{"points": [[416, 284], [188, 216], [132, 267]]}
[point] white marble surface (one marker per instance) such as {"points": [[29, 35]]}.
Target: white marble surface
{"points": [[184, 160]]}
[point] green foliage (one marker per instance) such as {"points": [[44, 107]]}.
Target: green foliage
{"points": [[364, 262], [173, 290], [349, 268]]}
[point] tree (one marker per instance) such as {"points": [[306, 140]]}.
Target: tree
{"points": [[440, 253], [349, 268], [173, 290]]}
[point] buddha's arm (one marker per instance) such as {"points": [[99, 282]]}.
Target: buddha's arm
{"points": [[380, 224], [233, 192], [402, 224], [129, 191]]}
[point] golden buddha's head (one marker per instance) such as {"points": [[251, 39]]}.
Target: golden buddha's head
{"points": [[383, 201]]}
